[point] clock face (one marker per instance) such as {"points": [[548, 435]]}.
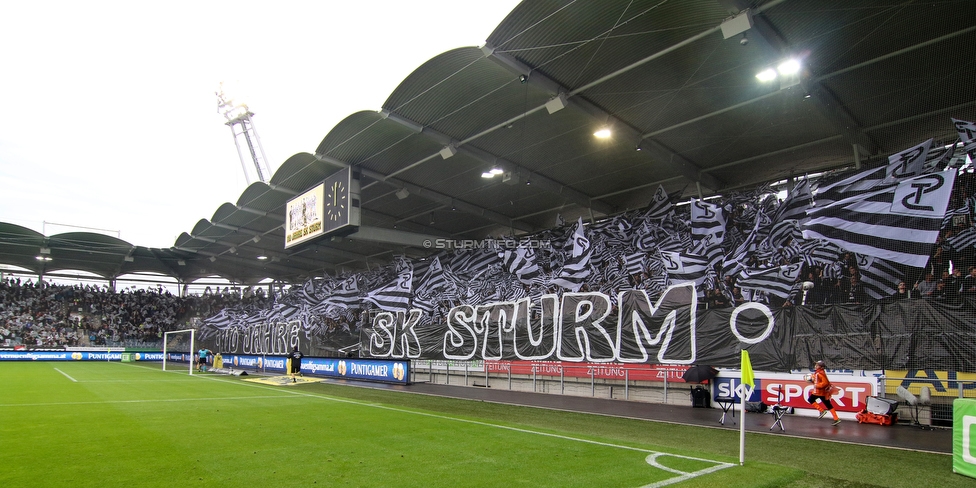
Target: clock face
{"points": [[336, 201]]}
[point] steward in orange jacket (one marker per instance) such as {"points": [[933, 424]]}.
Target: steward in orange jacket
{"points": [[821, 391]]}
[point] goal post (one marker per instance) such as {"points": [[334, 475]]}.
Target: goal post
{"points": [[179, 342]]}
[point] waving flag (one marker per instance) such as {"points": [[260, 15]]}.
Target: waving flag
{"points": [[660, 206], [347, 293], [880, 278], [900, 223], [903, 165], [778, 282], [433, 280], [707, 220], [683, 267], [796, 204], [394, 296], [521, 262], [576, 267], [963, 240]]}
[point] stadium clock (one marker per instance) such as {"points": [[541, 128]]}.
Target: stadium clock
{"points": [[337, 202], [340, 212]]}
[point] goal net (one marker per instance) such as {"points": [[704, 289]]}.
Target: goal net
{"points": [[178, 346]]}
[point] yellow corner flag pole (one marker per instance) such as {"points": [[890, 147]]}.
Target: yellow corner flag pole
{"points": [[748, 379]]}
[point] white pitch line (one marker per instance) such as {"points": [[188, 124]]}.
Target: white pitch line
{"points": [[650, 459], [66, 375], [161, 400]]}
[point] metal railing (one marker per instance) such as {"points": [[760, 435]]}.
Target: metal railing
{"points": [[561, 379]]}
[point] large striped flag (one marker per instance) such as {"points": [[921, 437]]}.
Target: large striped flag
{"points": [[520, 261], [707, 220], [660, 206], [796, 204], [347, 293], [963, 240], [905, 164], [396, 295], [683, 267], [879, 277], [576, 267], [900, 223], [967, 134], [433, 280], [778, 282], [473, 262]]}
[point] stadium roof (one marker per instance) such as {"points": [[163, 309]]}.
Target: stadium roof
{"points": [[676, 84]]}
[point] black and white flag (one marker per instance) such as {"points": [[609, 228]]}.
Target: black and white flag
{"points": [[965, 239], [778, 282], [796, 204], [967, 134], [902, 165], [347, 293], [707, 220], [900, 223], [682, 268], [576, 267], [660, 206], [880, 278], [520, 261], [396, 295]]}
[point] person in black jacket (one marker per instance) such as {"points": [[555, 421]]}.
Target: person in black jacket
{"points": [[296, 363]]}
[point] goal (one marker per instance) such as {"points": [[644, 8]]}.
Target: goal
{"points": [[178, 342]]}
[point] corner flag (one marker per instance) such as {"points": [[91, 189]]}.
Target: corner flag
{"points": [[747, 377]]}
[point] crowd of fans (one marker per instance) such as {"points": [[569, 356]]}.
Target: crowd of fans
{"points": [[40, 314]]}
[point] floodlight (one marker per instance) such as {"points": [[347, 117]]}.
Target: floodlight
{"points": [[766, 75], [487, 174], [789, 67], [602, 133], [496, 171]]}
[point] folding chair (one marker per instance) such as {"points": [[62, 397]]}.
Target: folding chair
{"points": [[778, 410], [727, 404]]}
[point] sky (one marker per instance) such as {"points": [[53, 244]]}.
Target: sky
{"points": [[108, 112]]}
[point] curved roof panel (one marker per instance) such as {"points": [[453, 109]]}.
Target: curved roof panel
{"points": [[685, 107]]}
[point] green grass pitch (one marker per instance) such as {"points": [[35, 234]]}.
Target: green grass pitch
{"points": [[130, 424]]}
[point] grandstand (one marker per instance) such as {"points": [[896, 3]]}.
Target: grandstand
{"points": [[478, 200]]}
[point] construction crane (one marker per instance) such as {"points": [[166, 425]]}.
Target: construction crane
{"points": [[239, 119]]}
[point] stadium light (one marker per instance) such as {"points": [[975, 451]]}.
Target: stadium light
{"points": [[766, 75], [788, 67]]}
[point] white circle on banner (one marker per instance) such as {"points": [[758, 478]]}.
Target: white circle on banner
{"points": [[752, 305]]}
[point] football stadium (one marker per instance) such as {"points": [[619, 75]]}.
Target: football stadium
{"points": [[620, 243]]}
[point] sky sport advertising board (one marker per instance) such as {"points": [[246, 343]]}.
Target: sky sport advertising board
{"points": [[792, 391]]}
